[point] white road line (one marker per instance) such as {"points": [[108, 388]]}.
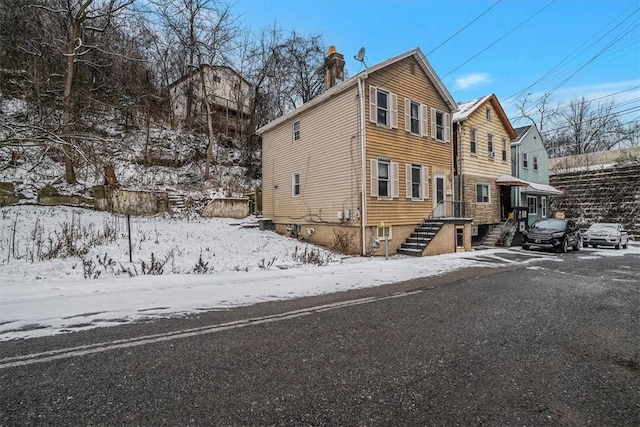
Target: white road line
{"points": [[65, 353]]}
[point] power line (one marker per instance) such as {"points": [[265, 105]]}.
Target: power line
{"points": [[499, 39], [463, 28], [567, 58]]}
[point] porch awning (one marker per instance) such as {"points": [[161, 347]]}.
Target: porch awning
{"points": [[531, 187], [535, 188], [511, 181]]}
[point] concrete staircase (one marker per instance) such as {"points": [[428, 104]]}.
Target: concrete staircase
{"points": [[493, 236], [176, 202], [420, 238]]}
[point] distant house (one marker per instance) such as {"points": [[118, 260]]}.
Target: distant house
{"points": [[366, 167], [482, 153], [531, 165], [228, 92]]}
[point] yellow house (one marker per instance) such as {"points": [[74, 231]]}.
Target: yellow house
{"points": [[366, 167], [482, 153]]}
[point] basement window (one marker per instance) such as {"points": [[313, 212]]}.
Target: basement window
{"points": [[383, 232]]}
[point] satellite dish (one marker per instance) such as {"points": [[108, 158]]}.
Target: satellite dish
{"points": [[360, 57]]}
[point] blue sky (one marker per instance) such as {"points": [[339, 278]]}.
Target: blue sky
{"points": [[572, 48]]}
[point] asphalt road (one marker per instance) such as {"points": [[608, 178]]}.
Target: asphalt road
{"points": [[555, 342]]}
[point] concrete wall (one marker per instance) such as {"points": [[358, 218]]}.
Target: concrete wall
{"points": [[129, 202], [7, 194], [346, 238], [445, 241], [227, 208]]}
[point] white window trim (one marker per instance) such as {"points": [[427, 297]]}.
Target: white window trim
{"points": [[293, 185], [423, 123], [392, 110], [505, 153], [488, 192], [293, 130], [446, 118], [473, 138], [381, 236], [424, 182], [491, 153], [535, 205], [393, 180]]}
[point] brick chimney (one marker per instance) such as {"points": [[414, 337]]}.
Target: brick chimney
{"points": [[333, 68]]}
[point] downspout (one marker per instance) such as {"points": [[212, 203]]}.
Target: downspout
{"points": [[453, 162], [363, 165]]}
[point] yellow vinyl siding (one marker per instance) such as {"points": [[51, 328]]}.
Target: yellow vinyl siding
{"points": [[479, 168], [404, 147], [480, 164], [327, 157]]}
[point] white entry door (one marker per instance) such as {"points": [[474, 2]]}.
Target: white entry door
{"points": [[439, 190]]}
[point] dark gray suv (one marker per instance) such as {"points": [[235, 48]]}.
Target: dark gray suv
{"points": [[558, 234]]}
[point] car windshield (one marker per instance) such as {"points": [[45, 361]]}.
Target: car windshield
{"points": [[603, 227], [550, 224]]}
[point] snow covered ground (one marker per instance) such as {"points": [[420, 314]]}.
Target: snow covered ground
{"points": [[208, 264]]}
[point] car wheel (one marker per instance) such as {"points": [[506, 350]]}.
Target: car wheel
{"points": [[594, 246], [565, 246], [617, 246], [525, 247], [585, 245], [625, 246]]}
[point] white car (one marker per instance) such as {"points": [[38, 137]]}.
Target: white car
{"points": [[605, 234]]}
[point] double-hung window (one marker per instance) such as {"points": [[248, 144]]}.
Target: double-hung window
{"points": [[417, 182], [532, 204], [482, 193], [384, 178], [490, 151], [382, 111], [384, 181], [473, 143], [383, 107], [535, 163], [525, 160], [415, 117], [295, 185], [296, 130], [440, 126], [504, 149]]}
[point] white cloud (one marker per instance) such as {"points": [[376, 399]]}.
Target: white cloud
{"points": [[472, 79]]}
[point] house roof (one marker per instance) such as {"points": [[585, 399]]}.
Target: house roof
{"points": [[416, 52], [520, 133], [467, 108], [213, 67]]}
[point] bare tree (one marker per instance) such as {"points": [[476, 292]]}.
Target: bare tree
{"points": [[587, 129], [77, 22], [539, 112]]}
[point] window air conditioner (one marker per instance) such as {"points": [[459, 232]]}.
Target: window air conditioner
{"points": [[491, 154]]}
